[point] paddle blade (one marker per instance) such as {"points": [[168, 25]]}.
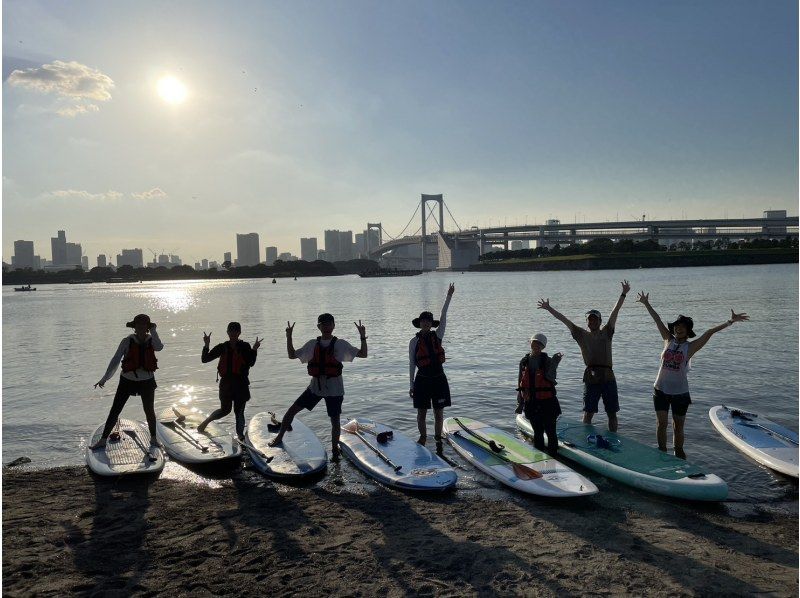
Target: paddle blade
{"points": [[179, 417], [525, 473], [351, 426]]}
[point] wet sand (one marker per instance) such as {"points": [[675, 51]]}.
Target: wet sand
{"points": [[66, 532]]}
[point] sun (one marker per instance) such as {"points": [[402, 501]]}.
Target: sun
{"points": [[171, 90]]}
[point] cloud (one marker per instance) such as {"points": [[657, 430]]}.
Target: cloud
{"points": [[73, 81], [76, 194], [154, 193]]}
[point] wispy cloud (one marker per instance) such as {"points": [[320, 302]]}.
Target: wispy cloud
{"points": [[80, 84], [154, 193]]}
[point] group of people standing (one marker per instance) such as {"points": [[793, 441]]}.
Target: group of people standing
{"points": [[325, 355]]}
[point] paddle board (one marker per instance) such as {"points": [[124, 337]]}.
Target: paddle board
{"points": [[420, 470], [770, 444], [177, 431], [299, 454], [540, 474], [634, 463], [125, 456]]}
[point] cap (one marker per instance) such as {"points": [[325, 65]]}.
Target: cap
{"points": [[539, 338]]}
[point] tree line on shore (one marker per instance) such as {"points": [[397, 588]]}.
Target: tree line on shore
{"points": [[601, 246]]}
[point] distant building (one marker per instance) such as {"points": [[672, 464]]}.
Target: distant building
{"points": [[322, 255], [175, 260], [101, 260], [130, 257], [213, 264], [163, 259], [517, 245], [287, 257], [272, 255], [359, 245], [778, 230], [308, 249], [345, 245], [372, 239], [198, 267], [248, 252], [23, 254], [204, 264], [58, 246], [74, 254], [85, 263], [227, 257], [332, 245]]}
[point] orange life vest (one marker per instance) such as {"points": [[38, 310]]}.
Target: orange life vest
{"points": [[140, 356], [541, 389], [230, 362], [429, 350], [323, 362]]}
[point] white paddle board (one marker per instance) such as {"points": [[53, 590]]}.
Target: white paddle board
{"points": [[177, 431], [299, 454], [770, 444], [518, 465], [128, 455], [419, 469]]}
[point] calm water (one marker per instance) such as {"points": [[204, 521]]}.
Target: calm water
{"points": [[57, 343]]}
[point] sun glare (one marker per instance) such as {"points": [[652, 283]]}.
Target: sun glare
{"points": [[171, 90]]}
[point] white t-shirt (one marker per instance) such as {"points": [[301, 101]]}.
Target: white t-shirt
{"points": [[322, 386], [672, 376]]}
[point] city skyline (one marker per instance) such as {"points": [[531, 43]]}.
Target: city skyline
{"points": [[318, 117]]}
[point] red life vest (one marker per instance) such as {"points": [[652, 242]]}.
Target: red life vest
{"points": [[323, 362], [542, 388], [140, 356], [427, 356], [230, 362]]}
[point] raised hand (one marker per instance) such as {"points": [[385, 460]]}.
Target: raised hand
{"points": [[544, 304], [101, 384], [625, 287], [362, 330], [739, 317], [643, 298], [451, 289], [559, 355], [290, 329], [206, 338], [257, 344]]}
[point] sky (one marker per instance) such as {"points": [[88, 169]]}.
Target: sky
{"points": [[304, 116]]}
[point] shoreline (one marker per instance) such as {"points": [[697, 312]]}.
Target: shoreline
{"points": [[68, 532]]}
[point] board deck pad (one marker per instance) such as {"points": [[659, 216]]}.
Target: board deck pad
{"points": [[300, 453], [123, 456], [625, 452], [218, 442], [515, 449]]}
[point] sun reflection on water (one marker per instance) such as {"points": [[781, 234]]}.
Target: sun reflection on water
{"points": [[174, 299]]}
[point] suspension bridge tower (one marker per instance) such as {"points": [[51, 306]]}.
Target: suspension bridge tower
{"points": [[426, 199], [370, 227]]}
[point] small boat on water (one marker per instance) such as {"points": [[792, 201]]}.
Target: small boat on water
{"points": [[383, 273], [27, 288]]}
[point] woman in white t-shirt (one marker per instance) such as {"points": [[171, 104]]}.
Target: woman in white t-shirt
{"points": [[671, 388]]}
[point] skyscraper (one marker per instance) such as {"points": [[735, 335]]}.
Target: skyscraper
{"points": [[359, 246], [101, 260], [74, 253], [248, 252], [58, 245], [130, 257], [272, 255], [227, 257], [23, 254], [345, 245], [332, 245], [85, 263], [204, 264], [308, 249]]}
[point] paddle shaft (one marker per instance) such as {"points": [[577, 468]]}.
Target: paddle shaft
{"points": [[375, 450], [139, 443], [488, 441], [185, 433], [250, 447], [752, 424], [518, 468]]}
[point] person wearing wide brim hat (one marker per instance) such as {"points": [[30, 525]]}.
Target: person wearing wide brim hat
{"points": [[599, 381], [671, 387], [429, 387], [536, 393], [136, 353]]}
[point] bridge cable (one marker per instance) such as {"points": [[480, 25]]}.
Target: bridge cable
{"points": [[451, 215], [410, 220]]}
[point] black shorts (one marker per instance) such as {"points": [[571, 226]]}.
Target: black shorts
{"points": [[679, 403], [135, 387], [431, 392], [308, 400], [233, 390], [546, 409]]}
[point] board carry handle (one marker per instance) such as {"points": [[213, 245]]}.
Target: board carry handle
{"points": [[140, 444], [354, 430], [495, 446], [250, 447], [523, 472], [185, 433]]}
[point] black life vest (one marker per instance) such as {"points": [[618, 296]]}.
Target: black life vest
{"points": [[231, 362], [539, 388], [323, 362], [430, 353], [140, 356]]}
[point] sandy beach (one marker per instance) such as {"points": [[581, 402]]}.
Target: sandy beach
{"points": [[66, 532]]}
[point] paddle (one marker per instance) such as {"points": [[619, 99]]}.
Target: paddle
{"points": [[523, 472], [140, 444], [275, 421], [354, 430], [747, 421], [497, 448], [185, 434], [250, 447], [382, 437], [179, 417]]}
